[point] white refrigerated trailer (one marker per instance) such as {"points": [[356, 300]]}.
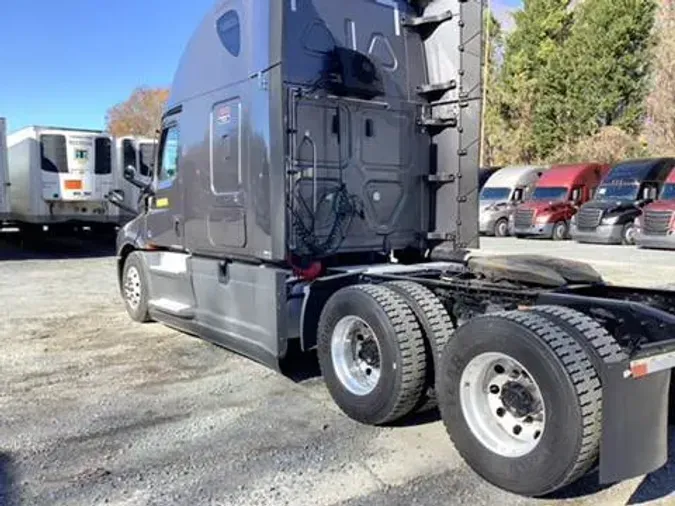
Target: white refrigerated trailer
{"points": [[139, 153], [60, 176], [4, 176]]}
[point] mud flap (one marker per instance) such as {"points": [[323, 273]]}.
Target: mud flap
{"points": [[634, 423]]}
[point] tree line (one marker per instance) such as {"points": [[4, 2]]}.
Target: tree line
{"points": [[573, 81]]}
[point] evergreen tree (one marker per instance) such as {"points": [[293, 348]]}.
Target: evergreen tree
{"points": [[541, 28], [600, 77]]}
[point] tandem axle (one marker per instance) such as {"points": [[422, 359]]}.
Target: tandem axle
{"points": [[553, 360]]}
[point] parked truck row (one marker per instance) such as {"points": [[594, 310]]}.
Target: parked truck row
{"points": [[53, 177], [630, 203]]}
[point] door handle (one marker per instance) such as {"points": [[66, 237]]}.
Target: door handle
{"points": [[176, 225]]}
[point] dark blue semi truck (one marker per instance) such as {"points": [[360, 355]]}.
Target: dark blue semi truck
{"points": [[609, 218], [317, 189]]}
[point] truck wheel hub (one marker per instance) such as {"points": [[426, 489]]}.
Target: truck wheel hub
{"points": [[355, 352], [502, 404], [132, 287], [517, 399]]}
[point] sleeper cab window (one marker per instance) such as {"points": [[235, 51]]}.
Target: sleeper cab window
{"points": [[169, 167], [229, 32]]}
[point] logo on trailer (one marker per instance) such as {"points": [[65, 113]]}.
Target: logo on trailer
{"points": [[224, 115]]}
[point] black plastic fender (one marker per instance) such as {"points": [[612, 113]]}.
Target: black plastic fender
{"points": [[635, 411]]}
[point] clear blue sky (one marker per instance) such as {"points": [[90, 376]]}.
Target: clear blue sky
{"points": [[65, 62]]}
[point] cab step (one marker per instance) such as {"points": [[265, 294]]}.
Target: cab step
{"points": [[173, 308]]}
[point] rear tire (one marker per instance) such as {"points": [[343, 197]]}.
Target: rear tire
{"points": [[436, 326], [501, 228], [381, 321], [135, 288], [560, 441], [560, 231]]}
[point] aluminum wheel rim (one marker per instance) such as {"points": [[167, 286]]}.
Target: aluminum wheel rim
{"points": [[502, 404], [356, 355], [132, 287], [560, 231]]}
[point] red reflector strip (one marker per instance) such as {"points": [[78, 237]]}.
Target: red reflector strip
{"points": [[650, 365], [639, 369]]}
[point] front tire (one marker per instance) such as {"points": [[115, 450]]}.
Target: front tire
{"points": [[560, 231], [628, 234], [501, 228], [520, 397], [135, 288], [371, 353]]}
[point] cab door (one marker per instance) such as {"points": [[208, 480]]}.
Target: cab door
{"points": [[165, 214]]}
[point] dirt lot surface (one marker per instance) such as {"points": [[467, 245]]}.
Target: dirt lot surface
{"points": [[95, 409]]}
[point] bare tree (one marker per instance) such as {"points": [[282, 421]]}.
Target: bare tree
{"points": [[139, 115], [660, 122], [610, 144]]}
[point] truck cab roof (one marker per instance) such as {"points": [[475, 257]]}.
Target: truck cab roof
{"points": [[514, 175], [568, 175], [639, 170]]}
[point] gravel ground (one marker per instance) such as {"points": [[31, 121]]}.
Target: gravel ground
{"points": [[96, 409]]}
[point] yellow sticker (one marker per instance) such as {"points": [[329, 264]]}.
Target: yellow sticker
{"points": [[163, 202]]}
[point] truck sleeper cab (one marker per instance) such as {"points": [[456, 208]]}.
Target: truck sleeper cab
{"points": [[484, 174], [556, 198], [609, 218], [502, 193], [60, 175], [139, 153], [656, 225], [304, 144], [4, 175]]}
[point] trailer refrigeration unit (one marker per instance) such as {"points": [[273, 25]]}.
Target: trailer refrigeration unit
{"points": [[655, 227], [559, 193], [609, 218], [306, 142], [139, 153], [60, 176], [4, 175], [502, 193]]}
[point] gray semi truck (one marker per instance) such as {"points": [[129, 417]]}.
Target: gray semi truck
{"points": [[316, 189], [501, 195]]}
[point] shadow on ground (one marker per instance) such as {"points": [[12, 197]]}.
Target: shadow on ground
{"points": [[8, 491], [660, 483], [18, 246]]}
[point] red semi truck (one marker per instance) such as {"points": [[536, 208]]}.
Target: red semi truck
{"points": [[557, 197], [656, 225]]}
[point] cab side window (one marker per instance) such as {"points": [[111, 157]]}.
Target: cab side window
{"points": [[169, 151], [518, 195]]}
